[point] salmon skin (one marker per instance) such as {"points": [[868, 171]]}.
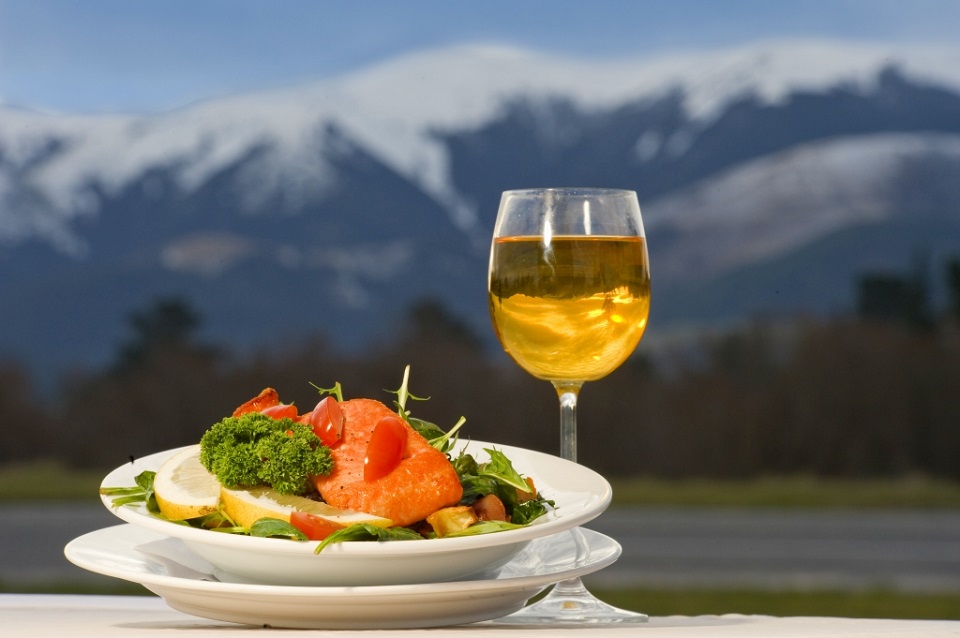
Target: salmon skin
{"points": [[422, 483]]}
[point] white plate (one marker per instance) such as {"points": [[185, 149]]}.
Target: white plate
{"points": [[165, 567], [580, 495]]}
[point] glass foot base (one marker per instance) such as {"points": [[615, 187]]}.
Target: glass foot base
{"points": [[570, 602]]}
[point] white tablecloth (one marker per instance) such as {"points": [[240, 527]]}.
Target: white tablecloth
{"points": [[34, 616]]}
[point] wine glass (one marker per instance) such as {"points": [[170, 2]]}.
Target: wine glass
{"points": [[569, 294]]}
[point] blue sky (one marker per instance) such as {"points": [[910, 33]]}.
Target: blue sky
{"points": [[153, 55]]}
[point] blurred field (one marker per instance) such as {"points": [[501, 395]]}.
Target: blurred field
{"points": [[48, 480], [857, 604], [786, 491]]}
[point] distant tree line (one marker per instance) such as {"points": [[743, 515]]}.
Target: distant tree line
{"points": [[905, 298], [876, 394]]}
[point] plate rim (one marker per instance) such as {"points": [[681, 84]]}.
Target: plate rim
{"points": [[73, 552]]}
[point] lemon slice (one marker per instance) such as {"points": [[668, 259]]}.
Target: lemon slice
{"points": [[247, 506], [184, 488]]}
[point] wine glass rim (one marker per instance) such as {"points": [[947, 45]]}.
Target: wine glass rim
{"points": [[572, 191]]}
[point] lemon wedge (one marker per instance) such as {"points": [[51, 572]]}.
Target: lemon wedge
{"points": [[248, 505], [184, 488]]}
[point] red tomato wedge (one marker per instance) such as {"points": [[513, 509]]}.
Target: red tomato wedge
{"points": [[315, 527], [327, 421], [385, 449], [280, 411], [267, 397]]}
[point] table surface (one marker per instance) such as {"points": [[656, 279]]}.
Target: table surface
{"points": [[38, 615]]}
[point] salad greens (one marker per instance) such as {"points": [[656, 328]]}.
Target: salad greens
{"points": [[255, 449], [217, 521], [496, 476], [367, 532], [142, 492]]}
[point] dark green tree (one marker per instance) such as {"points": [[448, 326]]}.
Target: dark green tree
{"points": [[891, 298], [168, 324], [429, 320], [953, 286]]}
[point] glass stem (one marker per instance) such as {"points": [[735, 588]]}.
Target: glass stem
{"points": [[568, 391]]}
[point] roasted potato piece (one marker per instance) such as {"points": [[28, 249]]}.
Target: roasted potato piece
{"points": [[490, 508], [452, 519]]}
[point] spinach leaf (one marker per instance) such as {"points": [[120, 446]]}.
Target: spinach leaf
{"points": [[501, 469], [276, 528], [484, 527], [427, 430], [529, 511], [367, 532]]}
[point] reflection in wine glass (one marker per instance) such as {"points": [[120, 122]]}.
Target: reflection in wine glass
{"points": [[569, 294]]}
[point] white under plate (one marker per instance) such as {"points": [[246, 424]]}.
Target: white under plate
{"points": [[580, 495], [164, 566]]}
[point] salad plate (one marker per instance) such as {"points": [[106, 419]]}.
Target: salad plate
{"points": [[164, 566], [579, 493]]}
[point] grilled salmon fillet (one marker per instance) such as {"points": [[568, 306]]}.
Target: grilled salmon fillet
{"points": [[422, 483]]}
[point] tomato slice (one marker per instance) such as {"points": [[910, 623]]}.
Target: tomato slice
{"points": [[385, 449], [266, 398], [280, 411], [327, 421], [315, 527]]}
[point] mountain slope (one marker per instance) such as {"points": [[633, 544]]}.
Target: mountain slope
{"points": [[331, 207]]}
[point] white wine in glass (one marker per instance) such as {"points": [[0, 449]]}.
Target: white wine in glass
{"points": [[569, 294]]}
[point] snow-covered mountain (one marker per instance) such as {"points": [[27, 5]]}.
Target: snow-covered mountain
{"points": [[354, 196]]}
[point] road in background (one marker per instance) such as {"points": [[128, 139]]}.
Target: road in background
{"points": [[662, 547], [904, 550], [32, 538]]}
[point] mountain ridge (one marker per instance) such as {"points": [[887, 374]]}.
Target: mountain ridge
{"points": [[400, 129], [334, 200]]}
